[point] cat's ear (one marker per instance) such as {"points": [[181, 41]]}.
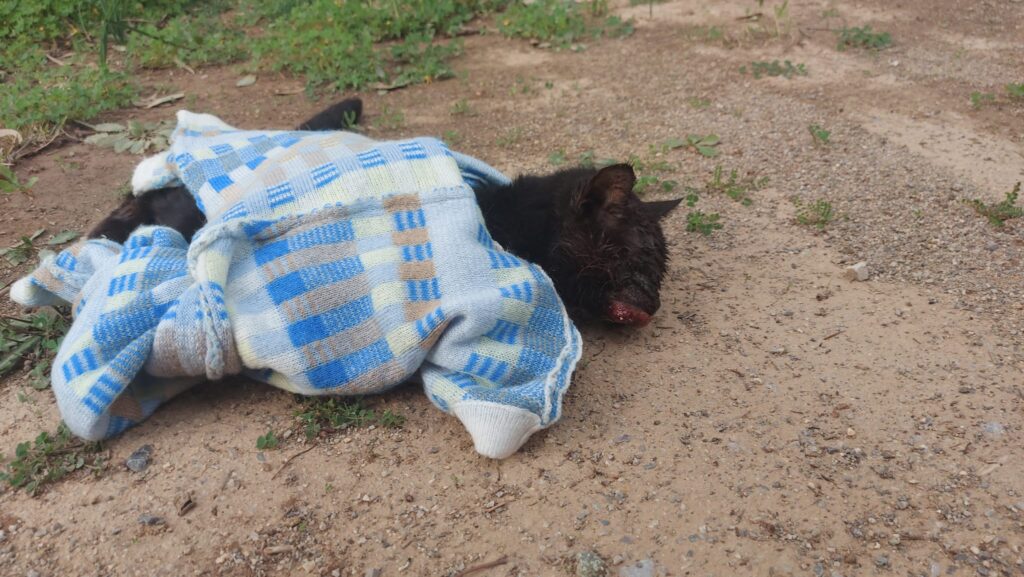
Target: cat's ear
{"points": [[606, 193], [659, 208]]}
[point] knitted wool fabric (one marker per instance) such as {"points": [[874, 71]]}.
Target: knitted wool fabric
{"points": [[330, 264]]}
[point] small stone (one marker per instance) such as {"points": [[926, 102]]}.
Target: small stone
{"points": [[590, 564], [309, 566], [882, 561], [32, 573], [857, 272], [372, 572], [139, 460], [850, 432], [994, 429], [642, 568], [150, 520]]}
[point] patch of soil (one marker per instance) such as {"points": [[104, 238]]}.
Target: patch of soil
{"points": [[774, 418]]}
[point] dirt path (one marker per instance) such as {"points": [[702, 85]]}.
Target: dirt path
{"points": [[775, 419]]}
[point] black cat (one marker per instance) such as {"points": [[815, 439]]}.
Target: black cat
{"points": [[601, 245]]}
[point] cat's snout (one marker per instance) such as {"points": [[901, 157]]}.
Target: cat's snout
{"points": [[627, 314]]}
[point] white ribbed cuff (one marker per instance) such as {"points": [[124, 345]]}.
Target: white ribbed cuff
{"points": [[26, 294], [497, 430]]}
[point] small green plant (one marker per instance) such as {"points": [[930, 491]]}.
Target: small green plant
{"points": [[194, 38], [391, 420], [704, 145], [734, 186], [136, 138], [451, 137], [863, 38], [32, 341], [389, 119], [561, 23], [509, 137], [1015, 91], [697, 221], [267, 442], [49, 458], [557, 157], [333, 414], [589, 160], [979, 99], [819, 134], [462, 108], [998, 213], [9, 181], [818, 213], [23, 250], [786, 69], [698, 103]]}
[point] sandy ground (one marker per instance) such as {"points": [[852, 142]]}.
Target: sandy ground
{"points": [[775, 419]]}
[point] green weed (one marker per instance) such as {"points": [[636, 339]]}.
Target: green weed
{"points": [[23, 250], [710, 34], [697, 221], [49, 458], [137, 137], [9, 181], [389, 119], [38, 95], [560, 23], [863, 38], [32, 341], [589, 160], [557, 158], [462, 108], [339, 43], [451, 138], [1015, 91], [269, 441], [735, 187], [764, 68], [979, 99], [819, 134], [819, 213], [698, 103], [193, 39], [998, 213], [327, 415], [510, 137], [703, 145]]}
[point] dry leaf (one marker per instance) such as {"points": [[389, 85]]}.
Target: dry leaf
{"points": [[247, 80]]}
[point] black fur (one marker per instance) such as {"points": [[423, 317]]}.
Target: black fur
{"points": [[601, 245]]}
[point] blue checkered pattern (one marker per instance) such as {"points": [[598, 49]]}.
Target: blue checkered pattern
{"points": [[331, 264]]}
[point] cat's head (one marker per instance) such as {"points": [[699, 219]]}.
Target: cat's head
{"points": [[610, 257]]}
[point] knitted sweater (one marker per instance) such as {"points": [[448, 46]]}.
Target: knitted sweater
{"points": [[330, 264]]}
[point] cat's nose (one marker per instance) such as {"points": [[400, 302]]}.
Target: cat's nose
{"points": [[626, 314]]}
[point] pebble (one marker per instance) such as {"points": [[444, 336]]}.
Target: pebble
{"points": [[146, 519], [372, 572], [642, 568], [32, 573], [590, 564], [882, 561], [994, 429], [139, 460], [857, 272]]}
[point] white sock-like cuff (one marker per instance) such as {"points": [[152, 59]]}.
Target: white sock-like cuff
{"points": [[27, 294], [497, 430]]}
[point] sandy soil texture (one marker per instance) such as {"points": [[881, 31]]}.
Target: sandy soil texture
{"points": [[775, 418]]}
